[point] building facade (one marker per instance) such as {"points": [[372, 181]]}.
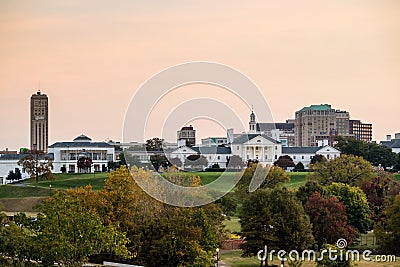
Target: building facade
{"points": [[317, 123], [186, 136], [66, 154], [360, 131], [39, 122], [306, 154], [257, 146], [393, 144]]}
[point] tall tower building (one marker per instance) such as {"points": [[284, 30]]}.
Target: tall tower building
{"points": [[186, 136], [39, 122], [252, 123], [318, 124]]}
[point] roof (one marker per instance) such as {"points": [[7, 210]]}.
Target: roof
{"points": [[268, 126], [395, 143], [80, 144], [324, 107], [82, 138], [246, 137], [212, 150], [21, 156], [300, 150]]}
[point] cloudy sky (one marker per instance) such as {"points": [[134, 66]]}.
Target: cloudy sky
{"points": [[91, 56]]}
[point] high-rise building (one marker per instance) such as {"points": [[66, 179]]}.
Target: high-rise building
{"points": [[39, 122], [318, 124], [361, 131], [186, 136]]}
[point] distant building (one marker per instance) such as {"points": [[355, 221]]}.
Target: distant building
{"points": [[214, 141], [186, 136], [281, 131], [317, 123], [361, 131], [67, 154], [256, 146], [8, 152], [9, 162], [306, 154], [213, 154], [39, 122], [393, 144]]}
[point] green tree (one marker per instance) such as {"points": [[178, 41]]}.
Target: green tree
{"points": [[285, 162], [154, 144], [304, 192], [235, 162], [299, 166], [387, 231], [375, 153], [68, 232], [356, 203], [317, 158], [274, 217], [345, 169], [84, 164], [38, 166], [329, 220], [271, 177], [328, 262]]}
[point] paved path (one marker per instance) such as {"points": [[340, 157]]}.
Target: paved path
{"points": [[223, 264]]}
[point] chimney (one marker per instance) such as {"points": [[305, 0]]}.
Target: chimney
{"points": [[388, 137], [397, 136]]}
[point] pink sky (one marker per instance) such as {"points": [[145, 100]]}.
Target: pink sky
{"points": [[91, 56]]}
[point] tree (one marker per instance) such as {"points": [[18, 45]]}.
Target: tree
{"points": [[387, 231], [329, 220], [345, 169], [271, 177], [159, 160], [356, 203], [12, 176], [154, 144], [377, 154], [84, 164], [68, 232], [304, 192], [235, 162], [196, 162], [317, 158], [396, 165], [38, 166], [284, 162], [274, 217], [378, 189], [176, 162], [299, 166]]}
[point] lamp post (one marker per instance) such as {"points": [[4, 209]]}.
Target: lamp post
{"points": [[50, 189], [217, 256], [265, 229]]}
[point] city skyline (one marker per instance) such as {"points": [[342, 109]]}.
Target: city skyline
{"points": [[91, 60]]}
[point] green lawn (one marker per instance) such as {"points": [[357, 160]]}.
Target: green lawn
{"points": [[71, 181], [12, 191], [232, 225], [397, 176]]}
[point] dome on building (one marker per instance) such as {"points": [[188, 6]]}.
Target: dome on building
{"points": [[82, 138]]}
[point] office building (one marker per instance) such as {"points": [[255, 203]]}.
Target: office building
{"points": [[361, 131], [318, 124]]}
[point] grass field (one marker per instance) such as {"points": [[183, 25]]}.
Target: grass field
{"points": [[235, 260]]}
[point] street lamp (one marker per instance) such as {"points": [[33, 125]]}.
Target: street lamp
{"points": [[50, 189], [217, 257]]}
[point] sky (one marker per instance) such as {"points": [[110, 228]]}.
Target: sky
{"points": [[92, 56]]}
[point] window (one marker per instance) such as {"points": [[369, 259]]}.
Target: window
{"points": [[294, 157], [248, 157], [302, 157], [218, 157], [276, 156], [237, 148], [266, 157], [109, 157]]}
